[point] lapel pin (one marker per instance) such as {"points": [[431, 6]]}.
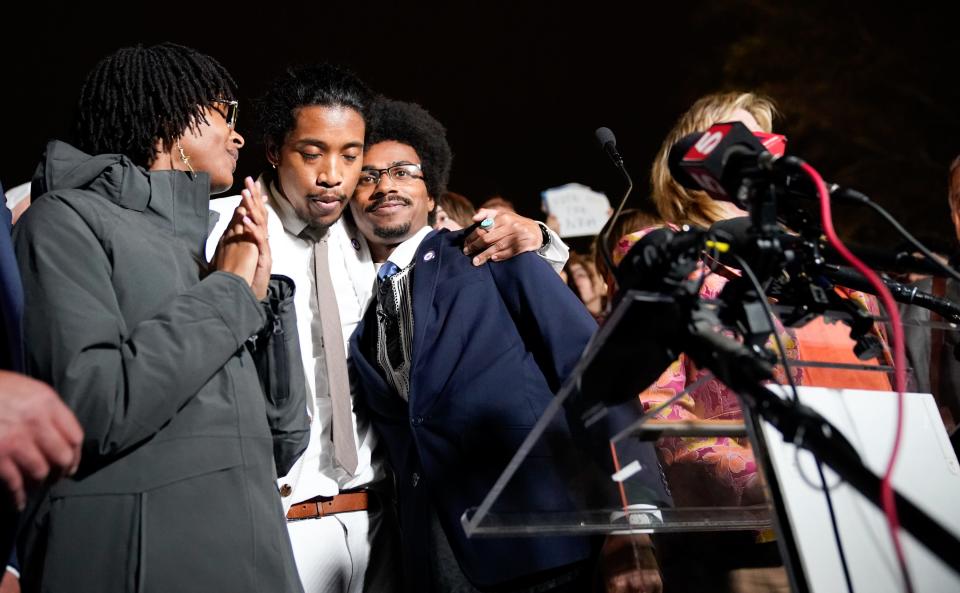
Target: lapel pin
{"points": [[429, 255], [356, 244]]}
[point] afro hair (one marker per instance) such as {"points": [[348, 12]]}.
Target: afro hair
{"points": [[411, 124]]}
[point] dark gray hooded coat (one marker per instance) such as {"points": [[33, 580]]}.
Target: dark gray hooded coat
{"points": [[176, 489]]}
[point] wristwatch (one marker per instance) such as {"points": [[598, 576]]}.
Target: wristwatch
{"points": [[545, 233]]}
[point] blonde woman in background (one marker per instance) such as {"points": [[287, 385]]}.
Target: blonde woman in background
{"points": [[722, 470], [679, 205], [718, 470]]}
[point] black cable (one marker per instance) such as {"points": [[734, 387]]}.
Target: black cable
{"points": [[836, 530], [861, 198], [772, 319], [796, 398]]}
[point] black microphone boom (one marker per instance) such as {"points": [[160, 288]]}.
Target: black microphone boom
{"points": [[761, 253], [902, 293], [608, 142]]}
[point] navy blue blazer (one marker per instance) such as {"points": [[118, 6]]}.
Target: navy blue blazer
{"points": [[11, 297], [11, 350], [491, 346]]}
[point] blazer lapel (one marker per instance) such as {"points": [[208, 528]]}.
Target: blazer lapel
{"points": [[425, 277], [373, 382]]}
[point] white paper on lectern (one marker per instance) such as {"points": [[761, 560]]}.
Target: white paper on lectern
{"points": [[927, 473], [580, 211]]}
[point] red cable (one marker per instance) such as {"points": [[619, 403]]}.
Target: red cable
{"points": [[899, 361]]}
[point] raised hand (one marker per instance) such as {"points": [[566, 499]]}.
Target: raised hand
{"points": [[255, 222], [244, 248]]}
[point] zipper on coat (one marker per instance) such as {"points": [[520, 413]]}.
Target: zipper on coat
{"points": [[281, 378]]}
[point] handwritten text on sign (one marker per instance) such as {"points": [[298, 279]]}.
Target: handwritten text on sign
{"points": [[580, 211]]}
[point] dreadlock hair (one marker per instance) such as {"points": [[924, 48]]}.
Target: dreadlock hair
{"points": [[321, 85], [411, 124], [137, 95]]}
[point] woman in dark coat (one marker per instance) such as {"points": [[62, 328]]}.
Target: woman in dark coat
{"points": [[155, 351]]}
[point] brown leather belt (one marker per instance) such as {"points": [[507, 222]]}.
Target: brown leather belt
{"points": [[322, 506]]}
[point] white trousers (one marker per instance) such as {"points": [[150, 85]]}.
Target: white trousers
{"points": [[348, 553]]}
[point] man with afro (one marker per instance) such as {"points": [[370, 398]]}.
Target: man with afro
{"points": [[456, 362]]}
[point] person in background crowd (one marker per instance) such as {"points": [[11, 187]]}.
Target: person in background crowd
{"points": [[630, 220], [583, 280], [454, 212], [155, 351], [932, 352], [498, 203]]}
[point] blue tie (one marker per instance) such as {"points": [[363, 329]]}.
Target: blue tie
{"points": [[387, 270], [389, 316]]}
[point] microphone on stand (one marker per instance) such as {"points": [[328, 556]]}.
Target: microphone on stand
{"points": [[740, 234], [608, 143], [718, 160]]}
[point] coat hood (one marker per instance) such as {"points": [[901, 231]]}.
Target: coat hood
{"points": [[176, 200], [113, 176]]}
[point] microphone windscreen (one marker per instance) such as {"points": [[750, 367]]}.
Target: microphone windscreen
{"points": [[605, 136], [679, 150]]}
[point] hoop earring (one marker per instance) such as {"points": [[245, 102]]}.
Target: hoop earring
{"points": [[184, 157]]}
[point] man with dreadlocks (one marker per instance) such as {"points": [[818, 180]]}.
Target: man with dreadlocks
{"points": [[156, 352]]}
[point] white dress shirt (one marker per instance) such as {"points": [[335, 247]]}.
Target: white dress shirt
{"points": [[354, 275], [403, 253]]}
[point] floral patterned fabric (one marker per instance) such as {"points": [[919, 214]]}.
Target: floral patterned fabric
{"points": [[728, 460]]}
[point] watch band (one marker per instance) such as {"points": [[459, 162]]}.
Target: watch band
{"points": [[545, 233]]}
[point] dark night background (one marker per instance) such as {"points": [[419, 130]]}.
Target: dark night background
{"points": [[868, 92]]}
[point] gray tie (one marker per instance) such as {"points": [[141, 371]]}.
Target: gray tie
{"points": [[344, 449]]}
